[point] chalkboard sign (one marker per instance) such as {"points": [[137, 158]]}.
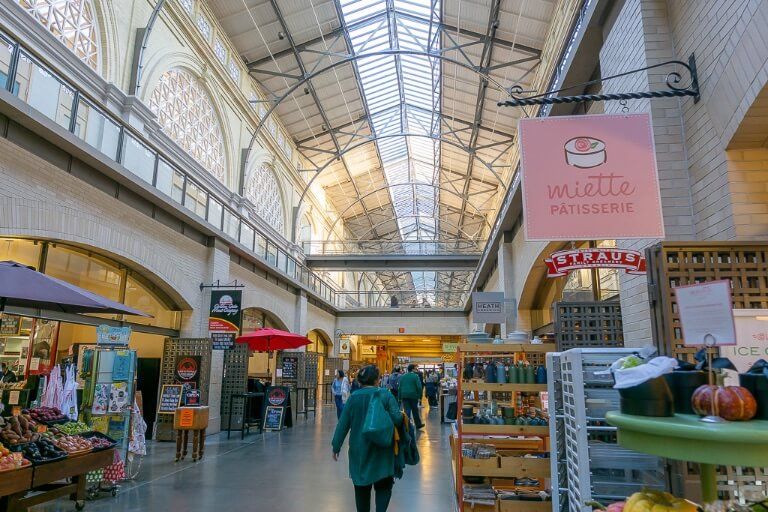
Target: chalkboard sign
{"points": [[274, 418], [290, 367], [170, 399]]}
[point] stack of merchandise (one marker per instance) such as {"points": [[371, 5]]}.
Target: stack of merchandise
{"points": [[478, 451], [479, 494]]}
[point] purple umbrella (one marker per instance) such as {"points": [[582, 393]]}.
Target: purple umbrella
{"points": [[23, 287]]}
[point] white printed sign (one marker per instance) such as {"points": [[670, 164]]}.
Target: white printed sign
{"points": [[488, 307], [706, 313]]}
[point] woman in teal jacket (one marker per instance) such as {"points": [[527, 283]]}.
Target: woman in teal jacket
{"points": [[370, 466]]}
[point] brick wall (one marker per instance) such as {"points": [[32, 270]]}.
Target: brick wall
{"points": [[748, 183]]}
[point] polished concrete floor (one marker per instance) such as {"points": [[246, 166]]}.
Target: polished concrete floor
{"points": [[289, 471]]}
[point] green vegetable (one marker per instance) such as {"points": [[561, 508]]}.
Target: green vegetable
{"points": [[631, 362]]}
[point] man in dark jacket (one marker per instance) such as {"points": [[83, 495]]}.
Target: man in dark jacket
{"points": [[410, 391]]}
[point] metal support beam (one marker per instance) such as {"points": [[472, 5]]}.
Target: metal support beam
{"points": [[315, 99]]}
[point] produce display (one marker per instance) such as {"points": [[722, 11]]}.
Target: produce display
{"points": [[68, 443], [73, 427], [733, 403], [41, 451], [73, 444], [649, 501], [19, 429], [45, 414], [8, 462], [98, 442]]}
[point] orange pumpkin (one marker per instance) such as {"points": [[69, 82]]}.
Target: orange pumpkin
{"points": [[732, 403]]}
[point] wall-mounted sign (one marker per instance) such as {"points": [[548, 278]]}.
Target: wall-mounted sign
{"points": [[10, 325], [706, 313], [590, 178], [488, 307], [222, 340], [225, 312], [344, 345], [449, 348], [188, 369], [368, 350], [108, 335], [562, 262]]}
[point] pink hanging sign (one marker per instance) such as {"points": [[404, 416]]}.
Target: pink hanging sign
{"points": [[590, 178]]}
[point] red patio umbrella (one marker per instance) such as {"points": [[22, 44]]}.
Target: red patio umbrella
{"points": [[268, 340]]}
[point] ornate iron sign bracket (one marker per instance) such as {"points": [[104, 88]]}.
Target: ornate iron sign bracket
{"points": [[673, 80]]}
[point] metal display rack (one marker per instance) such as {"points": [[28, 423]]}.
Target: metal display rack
{"points": [[587, 463], [513, 466]]}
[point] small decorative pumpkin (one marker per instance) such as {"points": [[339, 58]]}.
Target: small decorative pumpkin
{"points": [[732, 403]]}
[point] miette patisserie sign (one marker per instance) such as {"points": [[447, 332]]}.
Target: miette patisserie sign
{"points": [[590, 178]]}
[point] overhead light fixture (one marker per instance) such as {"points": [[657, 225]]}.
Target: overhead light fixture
{"points": [[281, 35], [306, 90]]}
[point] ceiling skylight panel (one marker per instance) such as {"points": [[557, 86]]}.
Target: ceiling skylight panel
{"points": [[357, 10]]}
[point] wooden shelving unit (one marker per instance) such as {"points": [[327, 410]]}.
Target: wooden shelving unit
{"points": [[512, 441]]}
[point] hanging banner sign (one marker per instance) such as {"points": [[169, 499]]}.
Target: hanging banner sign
{"points": [[488, 307], [562, 262], [108, 335], [344, 345], [589, 178], [706, 313], [225, 312]]}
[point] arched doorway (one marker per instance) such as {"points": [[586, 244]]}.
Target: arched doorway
{"points": [[321, 345], [256, 318]]}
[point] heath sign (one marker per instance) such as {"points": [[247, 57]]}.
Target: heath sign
{"points": [[488, 307], [590, 178], [562, 262]]}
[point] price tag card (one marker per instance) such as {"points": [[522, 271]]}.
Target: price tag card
{"points": [[18, 457], [41, 429], [13, 397], [16, 411]]}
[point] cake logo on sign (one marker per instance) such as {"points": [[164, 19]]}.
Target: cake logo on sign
{"points": [[585, 152]]}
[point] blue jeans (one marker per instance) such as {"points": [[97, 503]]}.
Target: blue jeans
{"points": [[339, 405], [411, 409]]}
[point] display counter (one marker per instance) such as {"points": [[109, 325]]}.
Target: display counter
{"points": [[26, 487]]}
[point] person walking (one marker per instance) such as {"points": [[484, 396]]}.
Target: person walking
{"points": [[371, 467], [410, 391], [432, 386], [8, 375], [394, 380], [340, 390]]}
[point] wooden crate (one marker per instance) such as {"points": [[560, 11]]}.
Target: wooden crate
{"points": [[478, 466], [522, 467], [524, 506]]}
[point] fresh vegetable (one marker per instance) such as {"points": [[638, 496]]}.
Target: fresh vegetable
{"points": [[19, 429], [630, 362], [41, 451], [43, 414], [657, 501], [73, 428], [733, 403]]}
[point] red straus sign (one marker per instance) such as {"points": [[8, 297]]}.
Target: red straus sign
{"points": [[562, 262]]}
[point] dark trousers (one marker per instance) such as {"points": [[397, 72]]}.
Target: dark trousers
{"points": [[411, 409], [339, 405], [383, 494]]}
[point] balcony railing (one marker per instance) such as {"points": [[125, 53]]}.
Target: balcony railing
{"points": [[399, 247], [402, 299], [41, 88]]}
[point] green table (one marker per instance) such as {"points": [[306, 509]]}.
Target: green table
{"points": [[685, 437]]}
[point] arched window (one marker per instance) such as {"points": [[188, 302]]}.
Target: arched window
{"points": [[72, 21], [305, 234], [186, 113], [264, 192]]}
